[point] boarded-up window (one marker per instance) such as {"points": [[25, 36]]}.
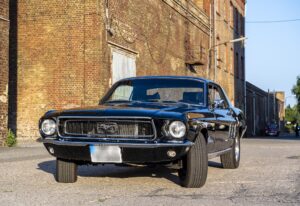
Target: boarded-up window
{"points": [[123, 65]]}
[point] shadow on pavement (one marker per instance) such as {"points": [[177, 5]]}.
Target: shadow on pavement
{"points": [[114, 171]]}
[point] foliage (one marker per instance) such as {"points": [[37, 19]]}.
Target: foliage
{"points": [[292, 115], [11, 139], [296, 91]]}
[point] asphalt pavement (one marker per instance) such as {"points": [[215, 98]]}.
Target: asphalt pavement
{"points": [[269, 174]]}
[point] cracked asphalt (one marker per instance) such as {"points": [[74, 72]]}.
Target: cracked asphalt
{"points": [[269, 174]]}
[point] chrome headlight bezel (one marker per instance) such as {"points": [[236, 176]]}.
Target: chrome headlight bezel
{"points": [[48, 127], [177, 129]]}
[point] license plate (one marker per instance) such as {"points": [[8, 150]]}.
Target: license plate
{"points": [[105, 154]]}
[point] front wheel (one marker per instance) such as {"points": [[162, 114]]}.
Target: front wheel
{"points": [[231, 160], [193, 173], [66, 171]]}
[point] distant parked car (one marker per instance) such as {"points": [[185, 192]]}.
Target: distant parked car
{"points": [[272, 130]]}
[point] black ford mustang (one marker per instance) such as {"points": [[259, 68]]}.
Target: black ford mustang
{"points": [[180, 122]]}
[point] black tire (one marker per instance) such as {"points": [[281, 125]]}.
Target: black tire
{"points": [[195, 165], [231, 160], [66, 171]]}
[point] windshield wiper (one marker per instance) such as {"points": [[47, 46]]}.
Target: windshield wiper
{"points": [[122, 101], [161, 101]]}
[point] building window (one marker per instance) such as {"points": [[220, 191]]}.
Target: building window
{"points": [[123, 65], [225, 10], [231, 15], [218, 6], [218, 52], [242, 22], [236, 19], [226, 57], [231, 54], [219, 57]]}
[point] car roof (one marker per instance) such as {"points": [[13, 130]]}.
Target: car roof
{"points": [[170, 77]]}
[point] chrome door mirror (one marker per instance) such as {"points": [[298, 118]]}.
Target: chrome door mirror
{"points": [[218, 103]]}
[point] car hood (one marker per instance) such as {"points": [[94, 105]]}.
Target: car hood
{"points": [[153, 110]]}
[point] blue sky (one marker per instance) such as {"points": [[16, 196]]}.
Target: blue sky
{"points": [[273, 50]]}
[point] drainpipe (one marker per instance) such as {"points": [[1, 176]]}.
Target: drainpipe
{"points": [[210, 42]]}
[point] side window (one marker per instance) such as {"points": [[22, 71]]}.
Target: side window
{"points": [[221, 96], [215, 94], [211, 95], [123, 92]]}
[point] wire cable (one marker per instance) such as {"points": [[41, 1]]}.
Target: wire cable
{"points": [[265, 21], [272, 21]]}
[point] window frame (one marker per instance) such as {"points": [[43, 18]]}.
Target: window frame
{"points": [[223, 96]]}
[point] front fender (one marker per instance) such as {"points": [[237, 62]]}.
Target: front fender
{"points": [[195, 128]]}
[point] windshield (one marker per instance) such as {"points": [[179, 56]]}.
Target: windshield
{"points": [[157, 90]]}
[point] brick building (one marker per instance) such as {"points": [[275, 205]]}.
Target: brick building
{"points": [[263, 107], [4, 50], [230, 57], [67, 54]]}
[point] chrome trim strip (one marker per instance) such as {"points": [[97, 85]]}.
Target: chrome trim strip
{"points": [[243, 133], [215, 154], [126, 145]]}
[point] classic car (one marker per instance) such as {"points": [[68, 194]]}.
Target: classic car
{"points": [[178, 122]]}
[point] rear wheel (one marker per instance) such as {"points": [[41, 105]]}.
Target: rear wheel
{"points": [[231, 160], [66, 171], [193, 174]]}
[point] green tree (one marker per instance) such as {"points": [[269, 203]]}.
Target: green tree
{"points": [[291, 114], [296, 91]]}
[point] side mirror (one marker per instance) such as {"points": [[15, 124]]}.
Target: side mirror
{"points": [[218, 103]]}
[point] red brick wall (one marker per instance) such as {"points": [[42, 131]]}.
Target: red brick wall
{"points": [[59, 59], [4, 32], [230, 72], [64, 58]]}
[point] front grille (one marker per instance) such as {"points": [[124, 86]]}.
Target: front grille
{"points": [[107, 128]]}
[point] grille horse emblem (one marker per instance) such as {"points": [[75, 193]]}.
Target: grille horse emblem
{"points": [[107, 128]]}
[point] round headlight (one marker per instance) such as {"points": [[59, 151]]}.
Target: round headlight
{"points": [[48, 127], [177, 129]]}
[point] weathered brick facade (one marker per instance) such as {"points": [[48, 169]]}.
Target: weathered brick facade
{"points": [[64, 50], [230, 57], [4, 42]]}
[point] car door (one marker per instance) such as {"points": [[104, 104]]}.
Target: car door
{"points": [[225, 126]]}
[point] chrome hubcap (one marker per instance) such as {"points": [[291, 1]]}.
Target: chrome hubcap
{"points": [[237, 149]]}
